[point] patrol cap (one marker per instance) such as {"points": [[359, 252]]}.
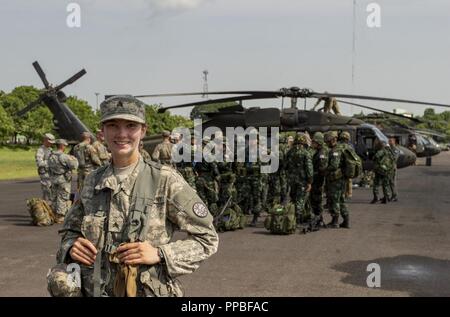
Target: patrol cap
{"points": [[165, 134], [61, 141], [122, 107], [330, 135], [318, 137], [344, 135], [50, 137]]}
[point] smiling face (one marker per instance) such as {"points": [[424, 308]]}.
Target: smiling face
{"points": [[123, 137]]}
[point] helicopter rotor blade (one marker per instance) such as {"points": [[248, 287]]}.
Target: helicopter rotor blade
{"points": [[244, 92], [71, 79], [319, 95], [41, 74], [29, 107], [213, 101], [383, 111]]}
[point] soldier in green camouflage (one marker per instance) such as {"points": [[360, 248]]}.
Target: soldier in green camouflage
{"points": [[300, 171], [344, 142], [395, 153], [60, 167], [121, 229], [186, 169], [207, 183], [336, 182], [42, 155], [87, 157], [383, 165], [320, 165]]}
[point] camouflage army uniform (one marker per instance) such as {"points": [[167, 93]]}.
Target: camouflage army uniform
{"points": [[61, 166], [42, 156], [382, 173], [393, 150], [255, 189], [300, 171], [145, 155], [102, 152], [242, 186], [175, 206], [336, 185], [330, 104], [186, 169], [320, 165], [88, 161], [206, 184], [163, 153]]}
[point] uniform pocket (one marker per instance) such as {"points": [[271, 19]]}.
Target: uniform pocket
{"points": [[156, 283], [92, 228]]}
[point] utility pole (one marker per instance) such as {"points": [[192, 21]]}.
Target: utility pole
{"points": [[96, 94], [205, 84], [353, 51]]}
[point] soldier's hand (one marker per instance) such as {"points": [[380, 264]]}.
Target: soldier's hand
{"points": [[308, 188], [138, 253], [83, 251]]}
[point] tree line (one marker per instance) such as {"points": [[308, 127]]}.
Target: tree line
{"points": [[38, 121]]}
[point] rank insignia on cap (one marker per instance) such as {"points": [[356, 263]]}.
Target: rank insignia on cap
{"points": [[200, 210]]}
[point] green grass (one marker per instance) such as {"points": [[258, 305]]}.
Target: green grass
{"points": [[17, 162]]}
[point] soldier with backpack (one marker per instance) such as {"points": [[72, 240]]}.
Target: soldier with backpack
{"points": [[336, 182], [120, 231], [320, 165], [87, 157], [383, 162], [300, 170], [61, 166]]}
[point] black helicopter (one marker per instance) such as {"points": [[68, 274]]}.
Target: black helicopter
{"points": [[293, 119], [424, 144], [66, 124]]}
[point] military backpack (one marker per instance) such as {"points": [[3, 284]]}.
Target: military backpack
{"points": [[281, 219], [352, 167]]}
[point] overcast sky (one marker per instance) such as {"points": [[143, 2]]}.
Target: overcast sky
{"points": [[157, 46]]}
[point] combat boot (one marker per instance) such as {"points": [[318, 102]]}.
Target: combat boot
{"points": [[254, 221], [346, 222], [374, 200], [384, 200], [334, 223]]}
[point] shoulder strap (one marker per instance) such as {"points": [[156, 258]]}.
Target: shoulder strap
{"points": [[143, 194]]}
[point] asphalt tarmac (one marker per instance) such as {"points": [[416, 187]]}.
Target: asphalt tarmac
{"points": [[409, 241]]}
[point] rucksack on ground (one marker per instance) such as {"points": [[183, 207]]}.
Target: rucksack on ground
{"points": [[40, 211], [231, 219], [281, 219]]}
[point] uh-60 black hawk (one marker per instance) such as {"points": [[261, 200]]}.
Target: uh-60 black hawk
{"points": [[294, 119], [66, 124], [70, 127]]}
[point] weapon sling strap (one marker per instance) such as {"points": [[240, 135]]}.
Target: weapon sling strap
{"points": [[144, 191]]}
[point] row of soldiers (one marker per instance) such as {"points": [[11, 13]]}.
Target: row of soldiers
{"points": [[307, 169]]}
